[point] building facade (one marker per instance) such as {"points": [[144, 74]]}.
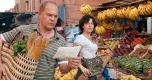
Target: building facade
{"points": [[71, 6]]}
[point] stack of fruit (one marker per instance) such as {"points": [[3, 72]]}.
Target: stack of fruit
{"points": [[69, 76], [107, 34], [85, 9], [123, 50], [129, 77], [112, 43], [134, 64], [138, 40], [100, 30], [129, 38], [117, 26], [142, 51], [110, 26]]}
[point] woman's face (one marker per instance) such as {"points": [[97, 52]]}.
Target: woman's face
{"points": [[88, 27]]}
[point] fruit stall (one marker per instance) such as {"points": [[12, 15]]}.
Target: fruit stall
{"points": [[131, 47], [118, 34]]}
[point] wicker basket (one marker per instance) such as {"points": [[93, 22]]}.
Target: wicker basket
{"points": [[18, 67]]}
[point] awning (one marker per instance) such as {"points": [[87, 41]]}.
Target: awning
{"points": [[61, 14]]}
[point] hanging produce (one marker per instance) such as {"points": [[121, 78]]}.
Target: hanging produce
{"points": [[85, 9], [145, 9], [133, 15], [111, 13], [100, 30], [120, 13], [102, 15]]}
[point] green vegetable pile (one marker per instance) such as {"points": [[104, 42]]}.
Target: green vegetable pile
{"points": [[134, 63], [148, 41], [19, 47]]}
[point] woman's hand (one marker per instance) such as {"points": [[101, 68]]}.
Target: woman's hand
{"points": [[85, 71]]}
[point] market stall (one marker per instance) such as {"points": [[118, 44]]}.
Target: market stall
{"points": [[122, 20], [123, 32]]}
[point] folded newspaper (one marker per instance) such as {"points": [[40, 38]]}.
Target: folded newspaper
{"points": [[65, 53]]}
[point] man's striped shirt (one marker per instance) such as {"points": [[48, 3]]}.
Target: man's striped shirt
{"points": [[46, 66]]}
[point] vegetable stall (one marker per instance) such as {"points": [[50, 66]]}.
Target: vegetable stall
{"points": [[122, 31]]}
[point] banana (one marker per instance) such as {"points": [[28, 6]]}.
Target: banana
{"points": [[149, 8], [104, 24], [108, 11], [124, 11], [85, 9], [149, 2], [127, 12], [100, 30], [104, 16], [97, 30], [136, 13], [99, 16], [140, 9]]}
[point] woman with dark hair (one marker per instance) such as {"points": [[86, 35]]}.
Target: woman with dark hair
{"points": [[85, 20], [89, 48]]}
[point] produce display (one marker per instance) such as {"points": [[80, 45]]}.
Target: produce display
{"points": [[128, 39], [100, 30], [138, 40], [123, 50], [148, 41], [112, 43], [142, 51], [145, 9], [85, 9], [135, 64], [132, 12], [129, 62], [129, 77], [69, 76], [133, 52]]}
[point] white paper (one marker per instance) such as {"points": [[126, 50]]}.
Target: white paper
{"points": [[65, 53]]}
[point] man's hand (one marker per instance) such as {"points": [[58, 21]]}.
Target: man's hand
{"points": [[74, 62]]}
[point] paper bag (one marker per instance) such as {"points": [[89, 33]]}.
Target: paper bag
{"points": [[64, 53]]}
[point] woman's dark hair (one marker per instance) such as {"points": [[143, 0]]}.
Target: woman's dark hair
{"points": [[85, 19]]}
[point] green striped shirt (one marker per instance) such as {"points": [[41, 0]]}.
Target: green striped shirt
{"points": [[46, 66]]}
